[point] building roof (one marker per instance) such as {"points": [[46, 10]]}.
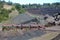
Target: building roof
{"points": [[21, 18]]}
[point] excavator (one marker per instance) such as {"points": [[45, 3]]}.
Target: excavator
{"points": [[56, 16]]}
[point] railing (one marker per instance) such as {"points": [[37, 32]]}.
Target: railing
{"points": [[23, 26]]}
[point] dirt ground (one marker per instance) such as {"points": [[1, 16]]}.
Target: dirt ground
{"points": [[20, 34]]}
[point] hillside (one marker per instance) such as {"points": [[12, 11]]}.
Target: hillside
{"points": [[43, 11], [9, 10]]}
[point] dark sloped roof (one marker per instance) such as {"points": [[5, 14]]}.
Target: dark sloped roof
{"points": [[21, 18]]}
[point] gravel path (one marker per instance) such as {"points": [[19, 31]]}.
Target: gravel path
{"points": [[25, 36], [57, 37]]}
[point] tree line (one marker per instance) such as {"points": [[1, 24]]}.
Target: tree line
{"points": [[44, 5]]}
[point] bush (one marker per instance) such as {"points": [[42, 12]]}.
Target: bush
{"points": [[4, 14], [12, 8]]}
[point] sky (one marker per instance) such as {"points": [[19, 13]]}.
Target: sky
{"points": [[33, 1]]}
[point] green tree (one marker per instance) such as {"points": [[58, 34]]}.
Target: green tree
{"points": [[19, 8]]}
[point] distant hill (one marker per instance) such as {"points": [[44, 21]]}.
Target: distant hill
{"points": [[45, 8], [43, 11]]}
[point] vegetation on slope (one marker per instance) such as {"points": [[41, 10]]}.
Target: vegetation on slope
{"points": [[4, 12]]}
